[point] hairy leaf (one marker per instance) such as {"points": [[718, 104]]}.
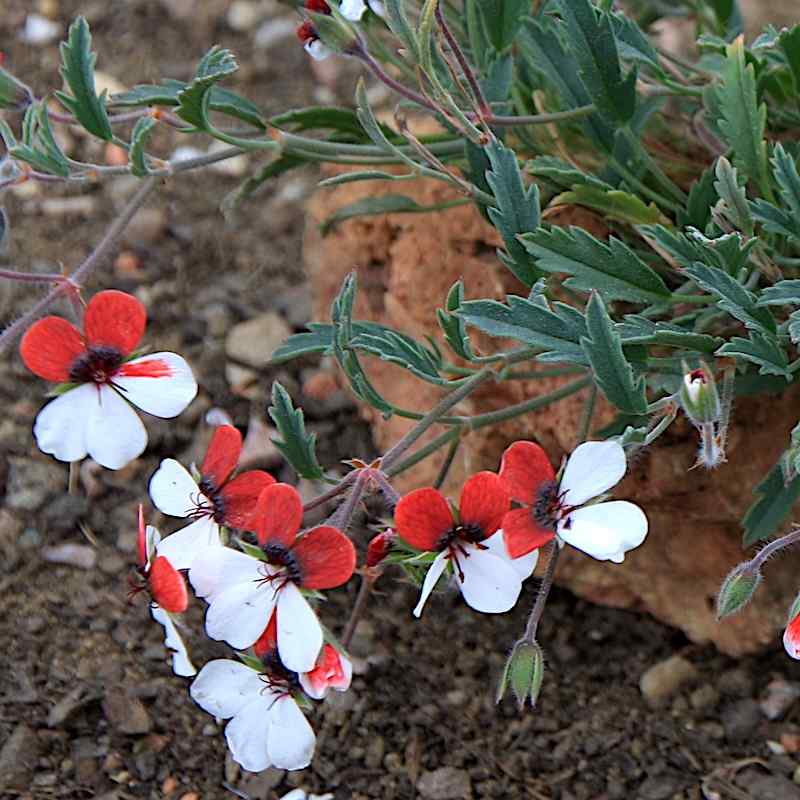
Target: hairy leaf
{"points": [[296, 444], [194, 99], [761, 350], [774, 501], [453, 327], [136, 154], [614, 203], [782, 293]]}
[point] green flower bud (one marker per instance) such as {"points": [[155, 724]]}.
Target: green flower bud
{"points": [[737, 589], [13, 93], [334, 32], [699, 397], [523, 673]]}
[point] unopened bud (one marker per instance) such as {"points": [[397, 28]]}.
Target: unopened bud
{"points": [[13, 93], [334, 32], [523, 673], [699, 397], [379, 547], [791, 636], [737, 589]]}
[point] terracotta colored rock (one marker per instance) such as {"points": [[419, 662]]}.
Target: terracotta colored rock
{"points": [[406, 263]]}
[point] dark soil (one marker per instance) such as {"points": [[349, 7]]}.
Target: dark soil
{"points": [[88, 704]]}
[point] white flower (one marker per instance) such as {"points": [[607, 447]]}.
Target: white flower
{"points": [[181, 663], [605, 531], [267, 727], [354, 9]]}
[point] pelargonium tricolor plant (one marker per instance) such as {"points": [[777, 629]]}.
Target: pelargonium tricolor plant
{"points": [[690, 298]]}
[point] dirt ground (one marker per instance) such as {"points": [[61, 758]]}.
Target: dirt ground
{"points": [[89, 707]]}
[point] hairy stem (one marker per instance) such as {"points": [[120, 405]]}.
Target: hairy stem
{"points": [[553, 551], [360, 606]]}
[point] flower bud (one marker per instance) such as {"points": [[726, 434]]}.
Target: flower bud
{"points": [[699, 397], [379, 547], [737, 589], [333, 32], [791, 636], [13, 93], [523, 673]]}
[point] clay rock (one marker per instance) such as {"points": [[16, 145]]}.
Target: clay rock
{"points": [[405, 264]]}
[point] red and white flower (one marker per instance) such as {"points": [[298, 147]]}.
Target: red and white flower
{"points": [[354, 9], [243, 590], [332, 671], [313, 45], [550, 509], [168, 591], [488, 579], [95, 417], [791, 636], [267, 727], [214, 501]]}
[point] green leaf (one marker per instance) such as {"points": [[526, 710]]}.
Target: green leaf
{"points": [[728, 16], [398, 23], [397, 348], [636, 329], [453, 327], [633, 45], [775, 500], [612, 373], [794, 327], [782, 293], [743, 121], [590, 37], [557, 332], [672, 245], [702, 196], [166, 94], [614, 204], [383, 204], [363, 175], [194, 99], [516, 210], [39, 148], [612, 269], [77, 69], [251, 661], [733, 297], [775, 220], [761, 350], [789, 43], [341, 120], [733, 196], [785, 172], [563, 174], [137, 157], [501, 19], [297, 445], [319, 340]]}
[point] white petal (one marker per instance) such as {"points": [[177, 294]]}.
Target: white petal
{"points": [[593, 468], [224, 687], [352, 9], [299, 631], [291, 739], [162, 397], [431, 579], [61, 426], [151, 539], [183, 546], [295, 794], [378, 8], [214, 570], [173, 490], [605, 531], [181, 665], [490, 584], [317, 50], [115, 435], [248, 733], [524, 565], [238, 615]]}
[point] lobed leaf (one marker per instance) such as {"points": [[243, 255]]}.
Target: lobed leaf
{"points": [[137, 157], [296, 444], [774, 501], [761, 350], [194, 99]]}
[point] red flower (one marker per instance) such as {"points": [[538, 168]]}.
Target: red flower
{"points": [[424, 519], [307, 33], [526, 471], [166, 585], [322, 558], [379, 547], [333, 670]]}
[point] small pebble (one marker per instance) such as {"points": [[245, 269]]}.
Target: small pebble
{"points": [[82, 556], [40, 30], [663, 680], [778, 698], [445, 783]]}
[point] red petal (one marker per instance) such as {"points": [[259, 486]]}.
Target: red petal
{"points": [[141, 541], [49, 348], [168, 586], [268, 639], [150, 368], [422, 517], [525, 466], [521, 534], [326, 558], [241, 498], [222, 455], [278, 515], [484, 501], [115, 319]]}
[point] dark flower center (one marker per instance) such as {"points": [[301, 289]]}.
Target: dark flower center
{"points": [[467, 532], [549, 508], [97, 365], [215, 508], [280, 556], [276, 675]]}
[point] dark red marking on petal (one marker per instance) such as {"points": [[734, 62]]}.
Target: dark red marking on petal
{"points": [[278, 515], [422, 518], [524, 467], [151, 368], [484, 502], [50, 346], [268, 640], [168, 586], [240, 498], [222, 455], [521, 534], [114, 319], [326, 558], [307, 32]]}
